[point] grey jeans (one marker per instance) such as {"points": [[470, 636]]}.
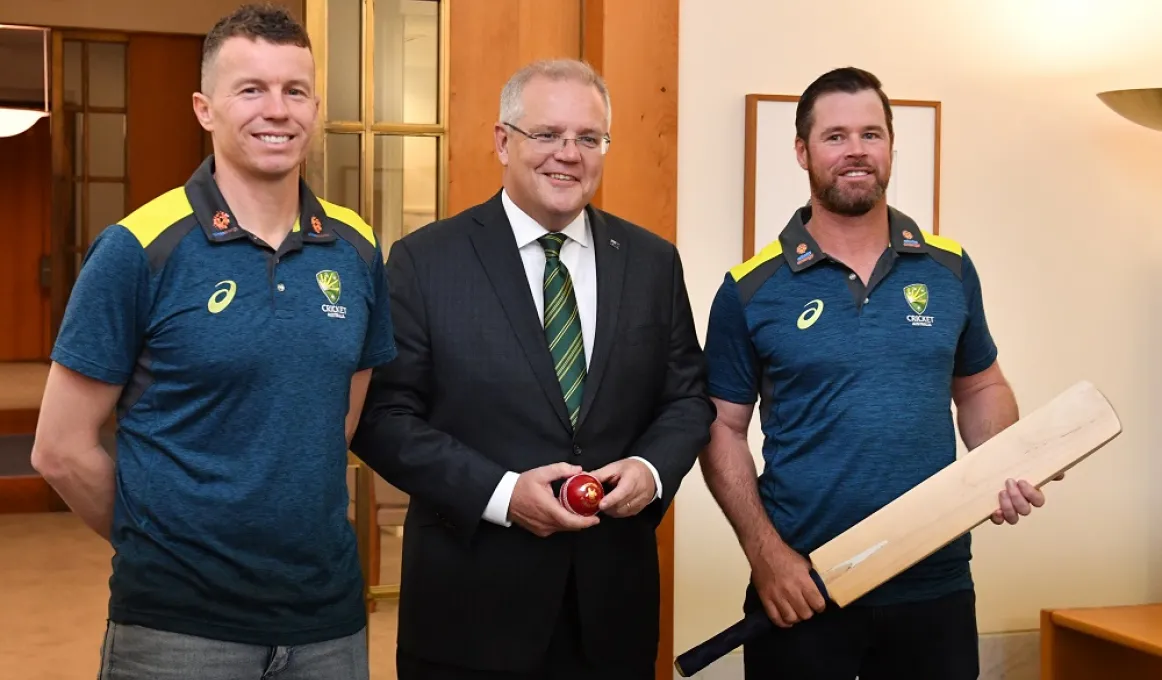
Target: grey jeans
{"points": [[136, 653]]}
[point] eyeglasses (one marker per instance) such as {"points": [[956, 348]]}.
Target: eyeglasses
{"points": [[552, 141]]}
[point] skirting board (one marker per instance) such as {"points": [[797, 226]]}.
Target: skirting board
{"points": [[1003, 656], [1011, 656]]}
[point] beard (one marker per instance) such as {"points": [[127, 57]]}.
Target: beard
{"points": [[848, 201]]}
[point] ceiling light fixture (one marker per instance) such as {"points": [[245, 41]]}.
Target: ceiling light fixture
{"points": [[1142, 106], [13, 120]]}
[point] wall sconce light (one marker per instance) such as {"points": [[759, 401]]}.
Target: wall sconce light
{"points": [[1141, 106], [13, 120]]}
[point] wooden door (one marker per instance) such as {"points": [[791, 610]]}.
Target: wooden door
{"points": [[127, 134], [164, 140], [26, 194]]}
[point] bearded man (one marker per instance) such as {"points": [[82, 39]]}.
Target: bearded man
{"points": [[854, 330]]}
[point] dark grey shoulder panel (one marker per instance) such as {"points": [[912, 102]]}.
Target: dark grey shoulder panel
{"points": [[138, 383], [951, 261], [754, 279], [160, 248], [364, 247]]}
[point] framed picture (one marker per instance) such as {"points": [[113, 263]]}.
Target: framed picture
{"points": [[775, 186]]}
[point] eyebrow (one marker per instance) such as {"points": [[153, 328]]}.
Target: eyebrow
{"points": [[561, 128], [250, 81], [842, 128]]}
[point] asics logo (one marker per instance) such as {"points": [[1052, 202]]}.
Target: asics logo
{"points": [[222, 296], [807, 318]]}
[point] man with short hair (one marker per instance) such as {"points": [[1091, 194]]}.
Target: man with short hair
{"points": [[233, 323], [855, 330], [539, 337]]}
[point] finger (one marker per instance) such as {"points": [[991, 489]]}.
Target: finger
{"points": [[799, 602], [1032, 494], [615, 499], [773, 613], [787, 612], [998, 517], [1007, 510], [609, 472], [556, 471], [814, 597], [1020, 503], [635, 488], [564, 520], [535, 527]]}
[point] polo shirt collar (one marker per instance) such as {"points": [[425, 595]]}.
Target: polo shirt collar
{"points": [[219, 223], [801, 250], [526, 230]]}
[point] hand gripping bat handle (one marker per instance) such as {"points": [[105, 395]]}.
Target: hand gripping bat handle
{"points": [[754, 625]]}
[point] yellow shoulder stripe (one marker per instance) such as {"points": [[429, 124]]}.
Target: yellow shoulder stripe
{"points": [[350, 218], [770, 252], [943, 243], [151, 219]]}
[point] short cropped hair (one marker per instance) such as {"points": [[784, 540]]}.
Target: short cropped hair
{"points": [[269, 22], [553, 69], [847, 79]]}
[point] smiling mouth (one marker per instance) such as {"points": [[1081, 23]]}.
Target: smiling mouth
{"points": [[855, 173], [275, 140], [561, 177]]}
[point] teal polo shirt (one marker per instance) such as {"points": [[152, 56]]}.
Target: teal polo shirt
{"points": [[853, 382], [235, 361]]}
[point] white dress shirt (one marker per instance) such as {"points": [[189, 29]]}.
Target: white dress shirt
{"points": [[578, 257]]}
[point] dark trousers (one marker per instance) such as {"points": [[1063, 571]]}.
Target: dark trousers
{"points": [[932, 640], [565, 660]]}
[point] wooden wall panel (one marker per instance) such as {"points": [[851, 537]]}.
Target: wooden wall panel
{"points": [[26, 194], [488, 41], [18, 421], [164, 140], [634, 45]]}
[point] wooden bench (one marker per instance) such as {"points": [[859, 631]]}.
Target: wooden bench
{"points": [[1123, 642]]}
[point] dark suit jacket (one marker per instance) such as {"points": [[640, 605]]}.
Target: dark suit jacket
{"points": [[473, 394]]}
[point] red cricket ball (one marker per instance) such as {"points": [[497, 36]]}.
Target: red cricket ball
{"points": [[580, 494]]}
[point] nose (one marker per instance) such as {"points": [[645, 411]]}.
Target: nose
{"points": [[274, 106], [569, 151], [856, 146]]}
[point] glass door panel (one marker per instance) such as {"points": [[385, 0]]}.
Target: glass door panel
{"points": [[344, 58], [405, 184], [407, 61]]}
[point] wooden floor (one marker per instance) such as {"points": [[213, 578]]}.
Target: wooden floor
{"points": [[54, 575]]}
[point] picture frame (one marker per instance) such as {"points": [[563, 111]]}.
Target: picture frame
{"points": [[775, 186]]}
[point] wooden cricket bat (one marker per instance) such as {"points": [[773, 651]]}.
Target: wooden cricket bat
{"points": [[1036, 448]]}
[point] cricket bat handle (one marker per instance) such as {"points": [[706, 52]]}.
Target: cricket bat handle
{"points": [[751, 627]]}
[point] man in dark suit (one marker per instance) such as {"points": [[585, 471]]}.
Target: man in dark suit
{"points": [[538, 337]]}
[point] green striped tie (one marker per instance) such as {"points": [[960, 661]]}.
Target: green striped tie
{"points": [[563, 325]]}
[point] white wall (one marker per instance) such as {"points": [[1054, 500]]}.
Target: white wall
{"points": [[1053, 195]]}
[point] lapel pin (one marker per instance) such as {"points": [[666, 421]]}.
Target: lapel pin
{"points": [[615, 244]]}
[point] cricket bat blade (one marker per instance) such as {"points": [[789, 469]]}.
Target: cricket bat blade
{"points": [[1037, 448]]}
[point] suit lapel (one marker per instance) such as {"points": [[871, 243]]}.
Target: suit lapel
{"points": [[610, 246], [496, 247]]}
